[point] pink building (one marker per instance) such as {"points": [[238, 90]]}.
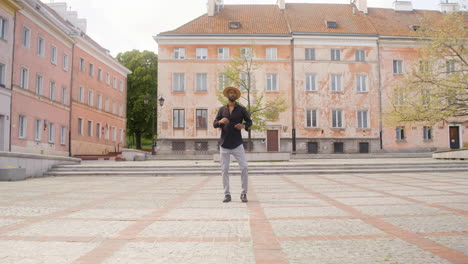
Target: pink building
{"points": [[41, 82], [8, 9], [332, 63]]}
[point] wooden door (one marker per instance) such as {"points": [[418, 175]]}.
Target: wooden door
{"points": [[272, 140], [454, 137]]}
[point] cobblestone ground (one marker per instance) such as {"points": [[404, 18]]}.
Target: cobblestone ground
{"points": [[388, 218]]}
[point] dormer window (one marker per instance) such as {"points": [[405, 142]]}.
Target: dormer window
{"points": [[414, 27], [234, 25], [331, 24]]}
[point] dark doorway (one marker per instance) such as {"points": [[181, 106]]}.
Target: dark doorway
{"points": [[272, 140], [454, 137], [363, 147], [312, 147]]}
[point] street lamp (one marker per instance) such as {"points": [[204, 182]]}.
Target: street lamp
{"points": [[161, 101], [146, 100]]}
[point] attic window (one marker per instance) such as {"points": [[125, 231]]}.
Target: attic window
{"points": [[414, 27], [234, 25], [331, 24]]}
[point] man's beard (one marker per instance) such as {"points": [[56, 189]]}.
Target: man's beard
{"points": [[232, 99]]}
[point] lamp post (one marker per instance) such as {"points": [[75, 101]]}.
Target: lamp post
{"points": [[146, 100], [161, 103]]}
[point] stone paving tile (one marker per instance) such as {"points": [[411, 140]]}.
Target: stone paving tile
{"points": [[442, 199], [304, 212], [417, 192], [207, 213], [458, 206], [51, 203], [210, 204], [459, 243], [5, 222], [391, 251], [26, 211], [32, 252], [110, 213], [293, 203], [322, 227], [73, 228], [432, 224], [373, 200], [350, 194], [184, 252], [197, 229], [413, 209], [120, 204]]}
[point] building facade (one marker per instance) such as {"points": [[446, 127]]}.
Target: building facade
{"points": [[332, 63], [8, 9]]}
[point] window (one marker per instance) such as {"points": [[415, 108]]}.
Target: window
{"points": [[246, 53], [99, 74], [98, 130], [335, 54], [331, 24], [80, 126], [81, 95], [51, 133], [22, 126], [223, 53], [179, 53], [223, 81], [52, 91], [106, 132], [202, 53], [114, 134], [38, 130], [338, 147], [309, 54], [336, 83], [2, 75], [450, 66], [26, 37], [427, 133], [311, 118], [114, 83], [178, 82], [3, 28], [202, 115], [201, 145], [99, 101], [178, 146], [121, 85], [361, 83], [114, 108], [271, 54], [362, 119], [272, 82], [121, 110], [53, 55], [423, 66], [65, 62], [121, 135], [64, 95], [107, 78], [244, 81], [337, 118], [24, 75], [39, 85], [201, 82], [400, 133], [40, 47], [63, 135], [107, 105], [90, 98], [82, 65], [90, 128], [310, 83], [397, 67], [360, 55], [179, 118], [91, 69]]}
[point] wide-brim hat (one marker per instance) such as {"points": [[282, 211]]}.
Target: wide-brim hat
{"points": [[229, 88]]}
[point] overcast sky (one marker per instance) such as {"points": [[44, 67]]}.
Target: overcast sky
{"points": [[122, 25]]}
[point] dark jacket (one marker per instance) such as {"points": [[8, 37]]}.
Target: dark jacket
{"points": [[230, 136]]}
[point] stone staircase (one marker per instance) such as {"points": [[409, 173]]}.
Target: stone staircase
{"points": [[265, 169]]}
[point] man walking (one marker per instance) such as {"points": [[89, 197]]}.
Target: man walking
{"points": [[230, 119]]}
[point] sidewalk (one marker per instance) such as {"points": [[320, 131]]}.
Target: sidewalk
{"points": [[392, 218]]}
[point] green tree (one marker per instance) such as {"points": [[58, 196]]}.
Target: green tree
{"points": [[436, 88], [240, 73], [141, 84]]}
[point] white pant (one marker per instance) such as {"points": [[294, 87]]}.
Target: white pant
{"points": [[239, 154]]}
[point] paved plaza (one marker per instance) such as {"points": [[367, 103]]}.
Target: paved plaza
{"points": [[359, 218]]}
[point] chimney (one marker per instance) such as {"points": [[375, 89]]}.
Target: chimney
{"points": [[214, 6], [403, 6], [71, 16], [446, 7], [281, 4], [361, 5]]}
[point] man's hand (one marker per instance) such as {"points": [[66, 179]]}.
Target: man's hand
{"points": [[239, 126], [224, 121]]}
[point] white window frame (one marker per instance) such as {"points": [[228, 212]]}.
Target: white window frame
{"points": [[91, 69], [107, 105], [114, 83], [114, 133], [271, 53], [361, 83], [397, 67], [121, 85], [114, 108], [39, 84], [24, 78], [22, 126], [312, 114], [98, 130], [204, 114], [63, 135], [82, 65], [362, 119], [90, 98], [178, 121], [38, 130], [52, 90], [310, 82], [26, 41], [106, 132], [246, 53], [178, 82], [40, 46], [223, 81], [335, 55], [90, 128], [428, 133], [99, 102], [107, 78], [81, 94], [337, 118], [64, 96], [2, 75], [121, 135], [201, 53], [3, 28], [80, 126], [179, 53], [121, 110], [53, 55], [450, 66], [399, 136], [336, 83], [309, 54], [99, 74], [65, 62], [223, 53], [201, 82], [360, 55], [51, 137], [272, 80]]}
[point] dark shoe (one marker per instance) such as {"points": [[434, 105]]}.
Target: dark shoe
{"points": [[244, 198], [227, 198]]}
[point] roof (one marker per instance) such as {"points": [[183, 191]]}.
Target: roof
{"points": [[305, 18]]}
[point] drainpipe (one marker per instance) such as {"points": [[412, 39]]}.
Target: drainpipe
{"points": [[293, 97], [71, 102], [11, 79], [380, 95]]}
